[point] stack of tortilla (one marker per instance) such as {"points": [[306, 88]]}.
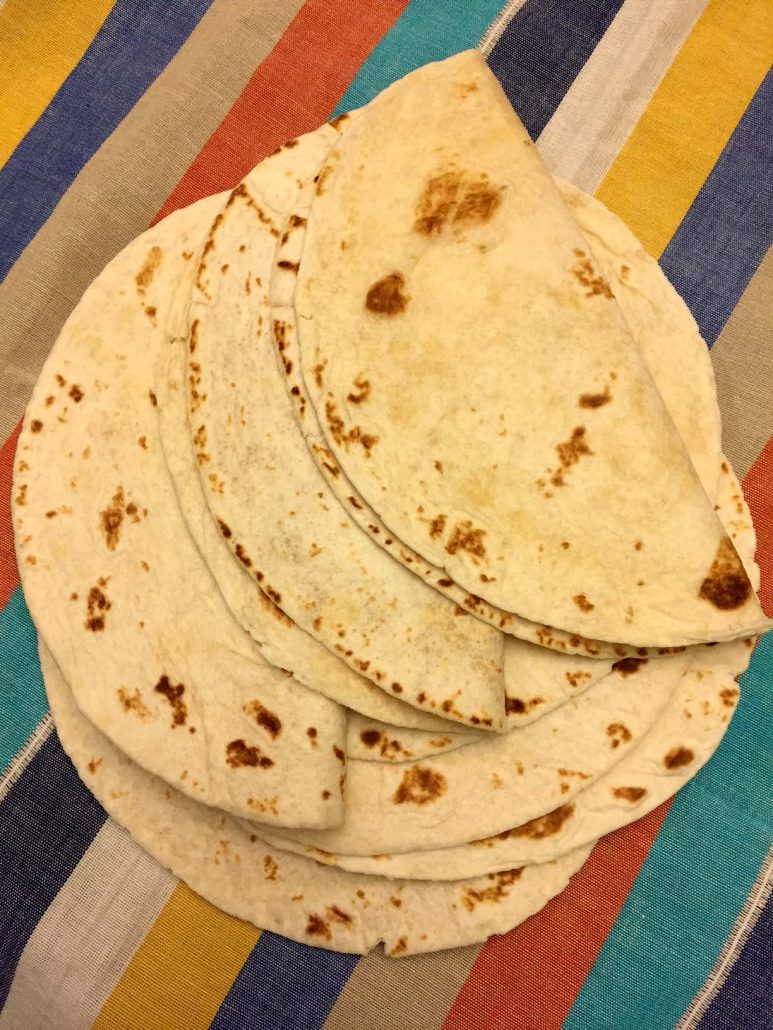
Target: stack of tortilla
{"points": [[375, 523]]}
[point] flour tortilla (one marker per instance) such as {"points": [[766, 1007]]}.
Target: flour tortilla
{"points": [[281, 642], [275, 510], [231, 867], [116, 586], [533, 432], [374, 741]]}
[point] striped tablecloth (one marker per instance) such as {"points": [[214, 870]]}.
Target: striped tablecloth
{"points": [[115, 112]]}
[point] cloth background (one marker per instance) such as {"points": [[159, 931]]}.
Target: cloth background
{"points": [[115, 112]]}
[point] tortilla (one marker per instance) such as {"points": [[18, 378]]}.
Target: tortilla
{"points": [[375, 741], [274, 509], [234, 869], [115, 584], [489, 447]]}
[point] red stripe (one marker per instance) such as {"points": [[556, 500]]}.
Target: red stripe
{"points": [[9, 574], [758, 490], [293, 91]]}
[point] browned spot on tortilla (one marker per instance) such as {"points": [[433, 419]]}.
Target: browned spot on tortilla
{"points": [[460, 611], [288, 266], [397, 902], [264, 806], [370, 737], [36, 425], [133, 703], [317, 927], [396, 688], [238, 753], [363, 390], [336, 123], [355, 503], [436, 528], [339, 754], [50, 400], [143, 442], [326, 795], [628, 666], [629, 793], [445, 582], [144, 277], [94, 764], [224, 529], [321, 179], [595, 400], [583, 603], [678, 757], [270, 722], [619, 733], [494, 894], [515, 704], [574, 679], [318, 370], [344, 437], [153, 398], [456, 200], [150, 311], [97, 607], [419, 786], [386, 296], [400, 947], [465, 88], [467, 538], [569, 453], [625, 271], [243, 557], [337, 915], [727, 586], [584, 272], [270, 868], [76, 393], [487, 579], [174, 695], [539, 828], [729, 696]]}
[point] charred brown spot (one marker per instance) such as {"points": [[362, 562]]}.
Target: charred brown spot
{"points": [[97, 607], [321, 179], [537, 829], [238, 753], [288, 266], [153, 399], [36, 425], [370, 738], [317, 927], [465, 537], [628, 666], [584, 272], [94, 764], [243, 557], [270, 868], [224, 529], [574, 679], [397, 688], [336, 123], [419, 786], [678, 757], [76, 393], [355, 503], [400, 947], [569, 453], [386, 296], [445, 582], [455, 200], [362, 387], [144, 277], [339, 754], [132, 703], [270, 722], [727, 586], [595, 400], [631, 794], [344, 437], [491, 895], [437, 527], [337, 915], [583, 603], [174, 695], [729, 696], [619, 734]]}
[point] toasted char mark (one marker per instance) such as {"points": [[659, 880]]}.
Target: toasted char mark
{"points": [[536, 829], [317, 927], [363, 390], [270, 868], [336, 123], [97, 607], [419, 786], [437, 527], [491, 895], [370, 738], [339, 754], [243, 557], [727, 586], [321, 179], [631, 794], [288, 266], [36, 425], [453, 199], [270, 722], [238, 753], [515, 704], [678, 757], [595, 400], [585, 274], [574, 679], [467, 538], [76, 392], [729, 696], [628, 666], [619, 734], [400, 948], [386, 296], [94, 764], [132, 703], [153, 399], [344, 437], [174, 695], [583, 603], [465, 88], [224, 529], [144, 277]]}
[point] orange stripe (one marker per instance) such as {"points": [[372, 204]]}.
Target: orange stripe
{"points": [[9, 574], [293, 91], [552, 953], [758, 490]]}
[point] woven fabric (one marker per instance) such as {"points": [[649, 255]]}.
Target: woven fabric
{"points": [[116, 112]]}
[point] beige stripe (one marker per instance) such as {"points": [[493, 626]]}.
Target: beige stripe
{"points": [[124, 184], [743, 366], [402, 994]]}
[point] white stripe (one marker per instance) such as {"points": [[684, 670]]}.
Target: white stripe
{"points": [[498, 26], [89, 933], [22, 758], [608, 97], [744, 924]]}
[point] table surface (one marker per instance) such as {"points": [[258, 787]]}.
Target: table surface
{"points": [[115, 112]]}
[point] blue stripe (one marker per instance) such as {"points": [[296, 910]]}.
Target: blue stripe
{"points": [[428, 30], [729, 227], [22, 697], [695, 881], [284, 986], [47, 821], [746, 997], [134, 45], [543, 49]]}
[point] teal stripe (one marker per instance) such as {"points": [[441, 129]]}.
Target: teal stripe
{"points": [[695, 881], [22, 697], [428, 30]]}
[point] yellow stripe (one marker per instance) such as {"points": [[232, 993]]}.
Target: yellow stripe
{"points": [[41, 41], [688, 122], [182, 970]]}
